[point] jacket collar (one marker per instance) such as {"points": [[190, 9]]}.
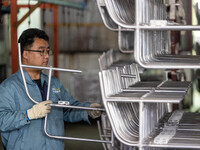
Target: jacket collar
{"points": [[29, 80]]}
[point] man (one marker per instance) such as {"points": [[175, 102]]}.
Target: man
{"points": [[22, 121]]}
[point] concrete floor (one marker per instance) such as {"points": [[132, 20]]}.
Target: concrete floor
{"points": [[80, 130]]}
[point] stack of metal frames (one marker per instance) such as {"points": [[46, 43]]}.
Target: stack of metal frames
{"points": [[125, 36], [178, 130], [135, 107], [146, 19], [114, 58], [122, 88]]}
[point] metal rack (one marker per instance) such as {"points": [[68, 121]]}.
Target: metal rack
{"points": [[151, 31], [140, 115], [139, 112]]}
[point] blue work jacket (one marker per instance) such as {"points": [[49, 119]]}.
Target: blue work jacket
{"points": [[17, 132]]}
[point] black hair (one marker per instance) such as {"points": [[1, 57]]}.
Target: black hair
{"points": [[27, 37]]}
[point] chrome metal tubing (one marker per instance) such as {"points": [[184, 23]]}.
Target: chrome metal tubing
{"points": [[55, 105], [76, 107], [52, 68]]}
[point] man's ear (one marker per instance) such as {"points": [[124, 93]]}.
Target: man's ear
{"points": [[25, 55]]}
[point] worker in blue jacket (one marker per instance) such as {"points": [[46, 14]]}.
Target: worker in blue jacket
{"points": [[21, 120]]}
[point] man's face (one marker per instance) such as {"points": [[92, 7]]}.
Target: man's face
{"points": [[37, 55]]}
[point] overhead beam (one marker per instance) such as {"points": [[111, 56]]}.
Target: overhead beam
{"points": [[64, 3], [27, 14]]}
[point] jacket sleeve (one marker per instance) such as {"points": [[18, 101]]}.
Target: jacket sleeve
{"points": [[10, 117], [74, 115]]}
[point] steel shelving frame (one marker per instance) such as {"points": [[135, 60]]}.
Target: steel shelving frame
{"points": [[151, 50]]}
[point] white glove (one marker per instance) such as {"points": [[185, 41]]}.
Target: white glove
{"points": [[39, 110], [94, 113]]}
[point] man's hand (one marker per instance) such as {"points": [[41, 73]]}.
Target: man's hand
{"points": [[94, 113], [39, 110]]}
